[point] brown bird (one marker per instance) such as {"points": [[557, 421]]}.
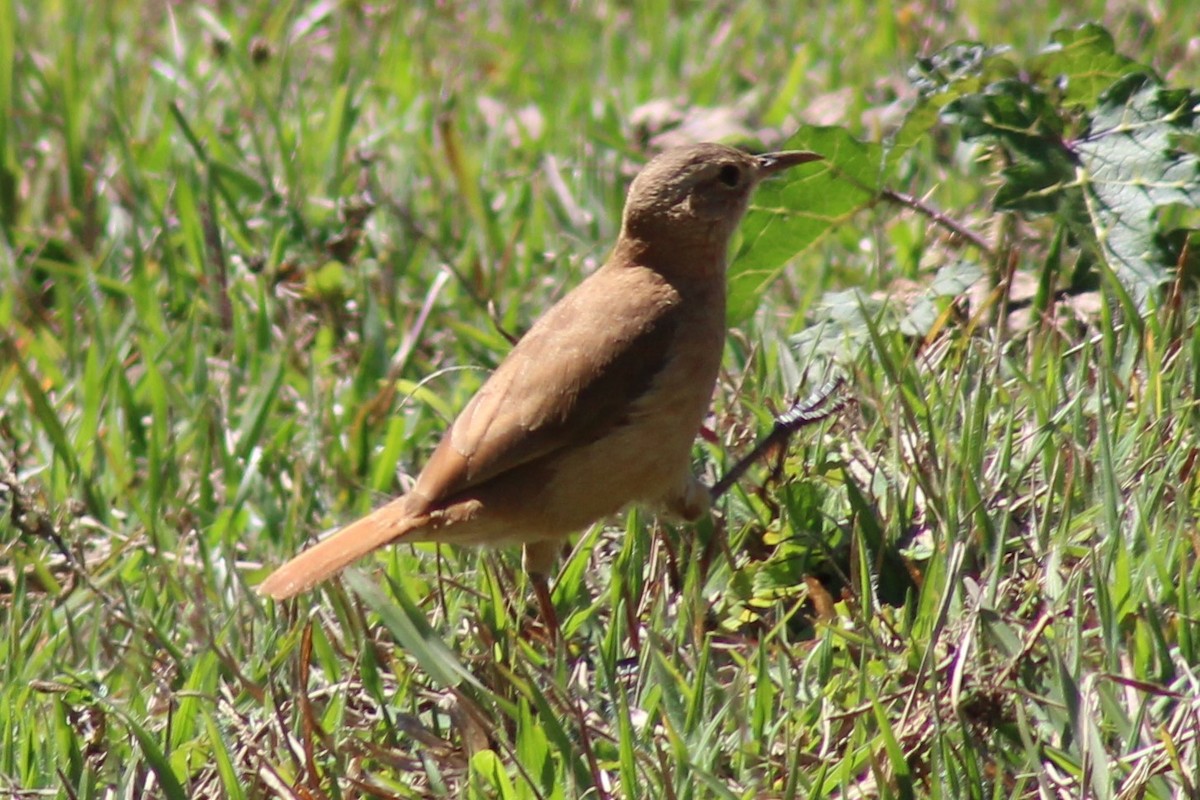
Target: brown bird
{"points": [[598, 405]]}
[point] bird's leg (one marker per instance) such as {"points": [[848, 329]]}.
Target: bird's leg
{"points": [[690, 502], [537, 558], [541, 589]]}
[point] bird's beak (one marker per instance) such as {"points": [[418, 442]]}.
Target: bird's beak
{"points": [[774, 163]]}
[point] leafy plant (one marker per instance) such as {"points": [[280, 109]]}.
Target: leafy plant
{"points": [[1077, 133]]}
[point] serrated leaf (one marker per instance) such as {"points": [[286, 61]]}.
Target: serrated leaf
{"points": [[1035, 185], [957, 70], [789, 216], [960, 67], [1016, 113], [1011, 110], [1133, 163], [1021, 118], [1086, 62], [1107, 187]]}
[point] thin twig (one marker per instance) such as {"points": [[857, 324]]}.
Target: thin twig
{"points": [[950, 224], [818, 406]]}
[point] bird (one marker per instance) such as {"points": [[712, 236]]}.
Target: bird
{"points": [[598, 405]]}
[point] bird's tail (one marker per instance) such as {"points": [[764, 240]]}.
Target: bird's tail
{"points": [[334, 553]]}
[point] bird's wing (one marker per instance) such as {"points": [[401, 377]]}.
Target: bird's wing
{"points": [[568, 381]]}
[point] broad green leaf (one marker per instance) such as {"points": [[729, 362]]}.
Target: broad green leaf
{"points": [[1021, 118], [1109, 185], [790, 214], [1139, 157], [1085, 60], [940, 79]]}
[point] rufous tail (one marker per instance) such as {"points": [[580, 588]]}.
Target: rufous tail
{"points": [[334, 553]]}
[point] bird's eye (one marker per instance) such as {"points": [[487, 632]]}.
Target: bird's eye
{"points": [[729, 175]]}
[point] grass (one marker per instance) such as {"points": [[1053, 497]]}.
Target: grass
{"points": [[256, 256]]}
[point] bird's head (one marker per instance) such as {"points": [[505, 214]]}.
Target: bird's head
{"points": [[699, 192]]}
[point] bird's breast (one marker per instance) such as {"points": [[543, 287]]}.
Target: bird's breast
{"points": [[645, 458]]}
